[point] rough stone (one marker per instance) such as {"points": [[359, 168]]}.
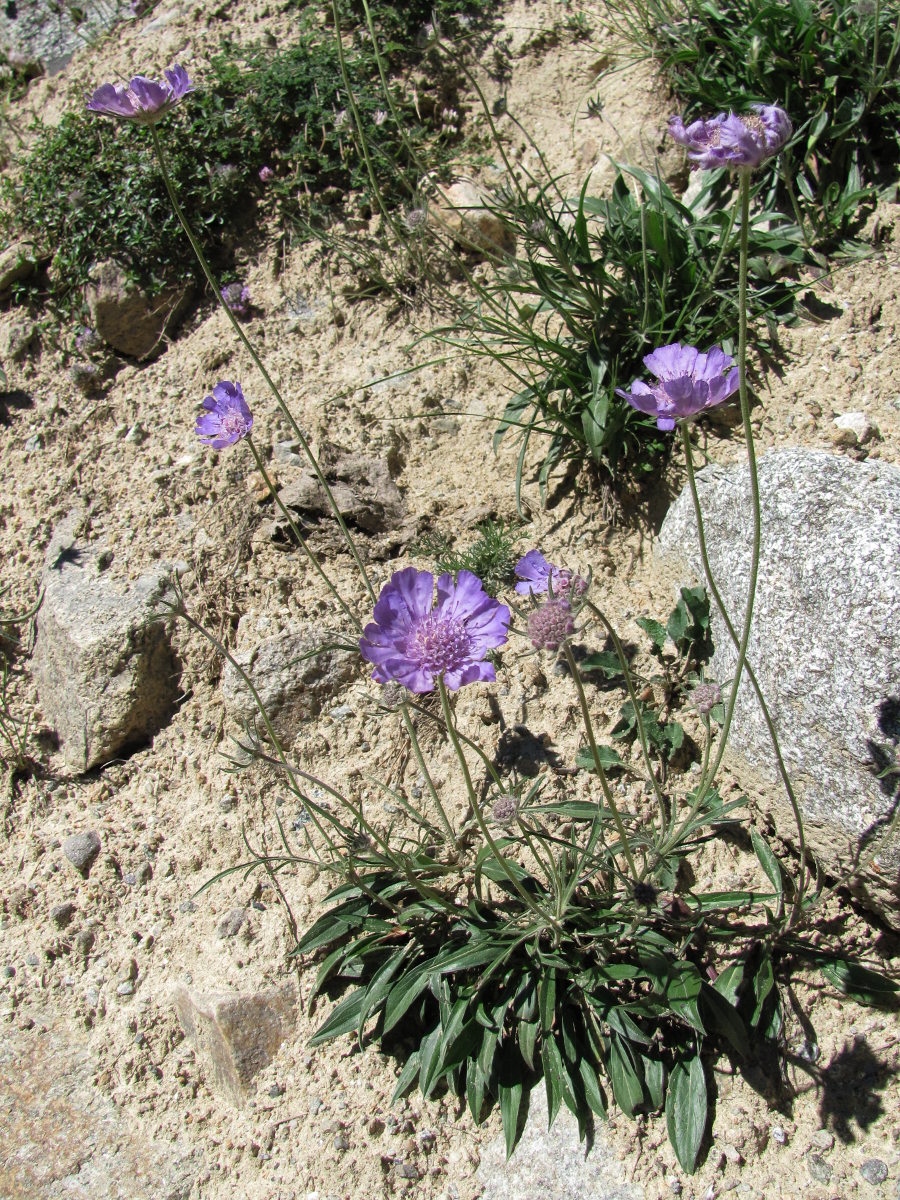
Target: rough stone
{"points": [[63, 1137], [129, 320], [62, 914], [17, 262], [825, 645], [874, 1171], [106, 676], [17, 338], [236, 1035], [81, 849], [463, 214], [854, 429], [553, 1164], [818, 1168], [293, 681], [365, 493]]}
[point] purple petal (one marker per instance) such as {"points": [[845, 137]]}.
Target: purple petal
{"points": [[112, 100], [177, 79], [150, 95], [534, 570]]}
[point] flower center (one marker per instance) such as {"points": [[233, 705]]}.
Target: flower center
{"points": [[233, 423], [438, 643]]}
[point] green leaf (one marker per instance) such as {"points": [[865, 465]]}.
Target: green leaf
{"points": [[726, 1020], [344, 1018], [763, 983], [605, 661], [656, 630], [584, 759], [682, 992], [510, 1107], [404, 994], [728, 983], [593, 1092], [655, 1079], [768, 862], [528, 1035], [407, 1076], [623, 1076], [686, 1111], [547, 1000], [861, 983], [430, 1060]]}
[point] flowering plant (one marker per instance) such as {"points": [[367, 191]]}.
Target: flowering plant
{"points": [[141, 100]]}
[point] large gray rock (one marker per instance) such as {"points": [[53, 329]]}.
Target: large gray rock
{"points": [[293, 677], [825, 644], [553, 1164], [236, 1035], [106, 675], [127, 318]]}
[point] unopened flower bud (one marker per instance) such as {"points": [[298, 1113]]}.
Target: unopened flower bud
{"points": [[505, 809], [705, 697], [551, 624]]}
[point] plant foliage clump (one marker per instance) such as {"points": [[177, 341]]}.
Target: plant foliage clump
{"points": [[831, 66]]}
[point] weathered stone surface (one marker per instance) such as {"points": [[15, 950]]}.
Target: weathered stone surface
{"points": [[463, 214], [63, 1139], [107, 677], [553, 1164], [127, 319], [236, 1035], [81, 849], [16, 263], [825, 644], [293, 681], [362, 487], [17, 340]]}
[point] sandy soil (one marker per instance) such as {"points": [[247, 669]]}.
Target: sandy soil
{"points": [[319, 1124]]}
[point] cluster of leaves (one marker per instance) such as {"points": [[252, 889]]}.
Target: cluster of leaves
{"points": [[687, 627], [93, 189], [492, 556], [596, 285], [833, 67]]}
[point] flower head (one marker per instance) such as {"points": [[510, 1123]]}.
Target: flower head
{"points": [[88, 340], [705, 697], [536, 576], [237, 298], [688, 383], [142, 100], [227, 418], [266, 174], [551, 624], [728, 140], [416, 642], [505, 809]]}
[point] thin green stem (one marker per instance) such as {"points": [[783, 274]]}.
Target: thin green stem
{"points": [[426, 775], [479, 816], [703, 788], [598, 765], [261, 467], [267, 378]]}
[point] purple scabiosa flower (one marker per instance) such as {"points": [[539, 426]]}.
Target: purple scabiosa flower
{"points": [[142, 100], [227, 418], [538, 576], [728, 140], [266, 174], [688, 383], [237, 298], [551, 624], [415, 642]]}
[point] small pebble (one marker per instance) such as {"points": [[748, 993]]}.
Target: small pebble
{"points": [[231, 923], [315, 1105], [823, 1139], [341, 1142], [818, 1168], [187, 906], [778, 1135], [874, 1171], [8, 972], [276, 1090], [674, 1185], [81, 849], [62, 914], [125, 989], [32, 960]]}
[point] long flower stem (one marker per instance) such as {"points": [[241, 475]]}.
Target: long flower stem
{"points": [[426, 775], [748, 667], [479, 816], [598, 765], [260, 466], [269, 381]]}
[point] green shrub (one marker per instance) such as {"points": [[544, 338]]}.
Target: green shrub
{"points": [[832, 66], [93, 190]]}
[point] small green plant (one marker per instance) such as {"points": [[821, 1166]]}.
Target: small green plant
{"points": [[492, 556], [596, 284], [833, 67], [92, 193]]}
